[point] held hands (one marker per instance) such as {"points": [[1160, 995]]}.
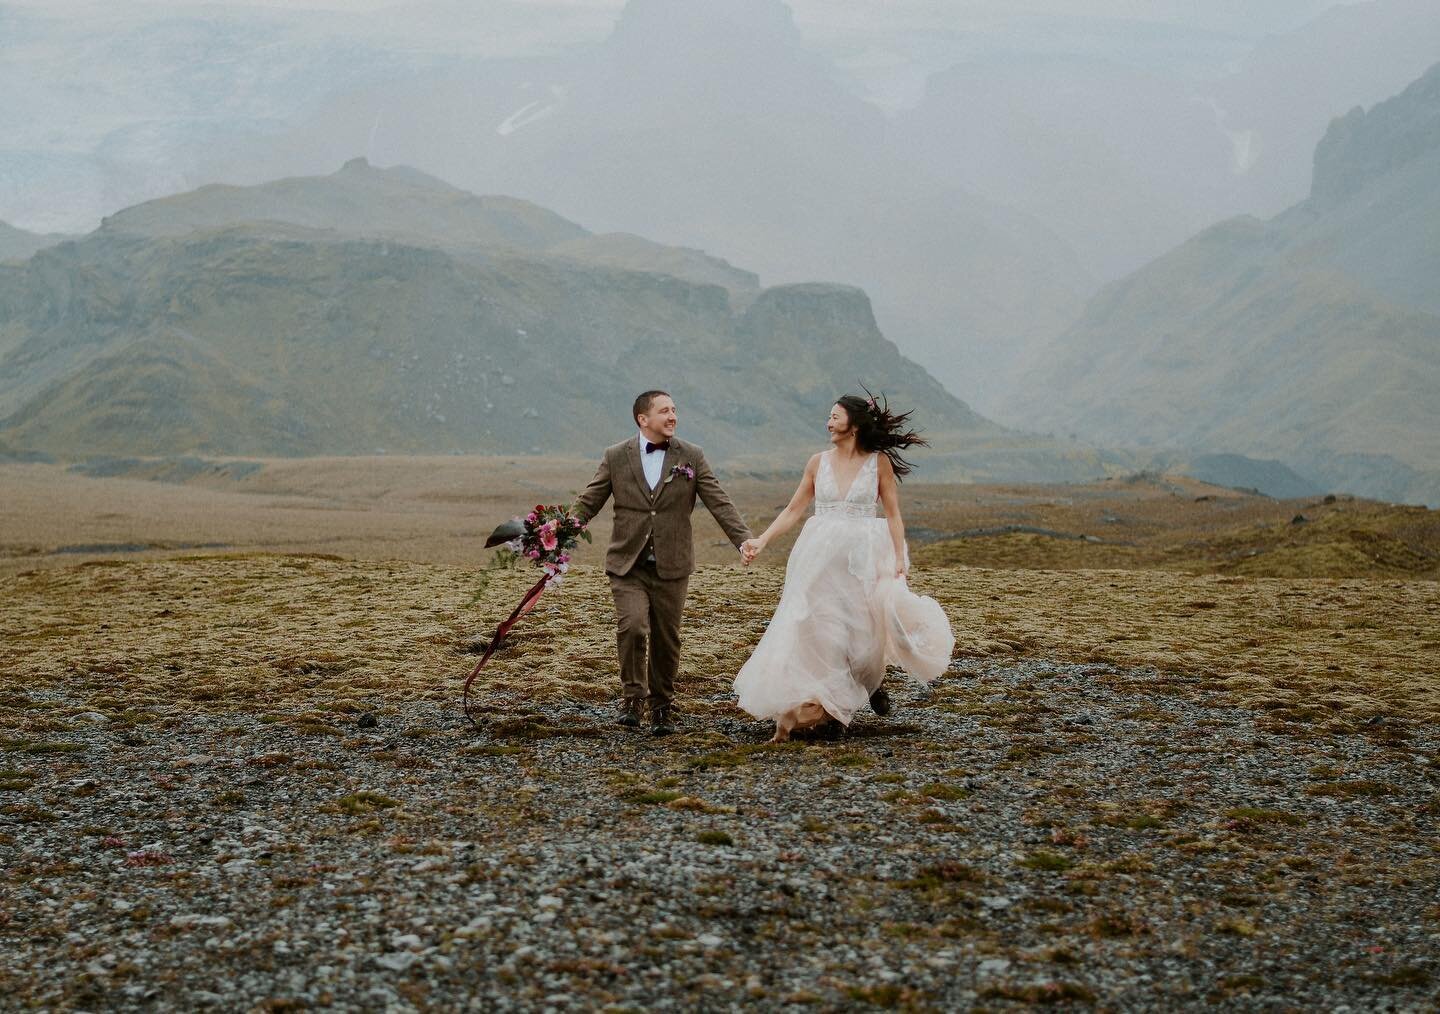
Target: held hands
{"points": [[749, 549]]}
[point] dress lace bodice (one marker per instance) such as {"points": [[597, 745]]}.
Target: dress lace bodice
{"points": [[859, 499]]}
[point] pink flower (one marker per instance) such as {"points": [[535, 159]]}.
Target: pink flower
{"points": [[547, 536]]}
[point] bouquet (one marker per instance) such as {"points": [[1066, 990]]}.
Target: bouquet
{"points": [[547, 537]]}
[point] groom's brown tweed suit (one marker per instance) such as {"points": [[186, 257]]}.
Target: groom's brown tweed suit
{"points": [[650, 597]]}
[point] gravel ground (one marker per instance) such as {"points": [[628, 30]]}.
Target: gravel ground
{"points": [[1026, 832]]}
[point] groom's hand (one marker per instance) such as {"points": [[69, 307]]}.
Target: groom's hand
{"points": [[749, 549]]}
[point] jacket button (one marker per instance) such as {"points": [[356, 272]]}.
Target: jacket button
{"points": [[652, 514]]}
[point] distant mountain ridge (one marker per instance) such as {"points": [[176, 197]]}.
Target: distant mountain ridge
{"points": [[1312, 338], [379, 309], [358, 200], [17, 244], [404, 204]]}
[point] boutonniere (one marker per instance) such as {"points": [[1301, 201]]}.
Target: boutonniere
{"points": [[684, 470]]}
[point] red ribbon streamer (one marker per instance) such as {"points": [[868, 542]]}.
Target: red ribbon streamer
{"points": [[529, 600]]}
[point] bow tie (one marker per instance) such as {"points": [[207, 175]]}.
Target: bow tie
{"points": [[652, 448]]}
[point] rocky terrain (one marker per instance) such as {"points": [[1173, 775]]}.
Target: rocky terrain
{"points": [[245, 781]]}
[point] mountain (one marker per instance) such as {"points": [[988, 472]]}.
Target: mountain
{"points": [[383, 309], [359, 200], [1272, 478], [1312, 338], [1124, 155], [401, 203], [17, 244], [710, 124], [1277, 103]]}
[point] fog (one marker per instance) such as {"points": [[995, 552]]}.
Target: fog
{"points": [[980, 168]]}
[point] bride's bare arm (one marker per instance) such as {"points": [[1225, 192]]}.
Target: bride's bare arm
{"points": [[796, 508], [890, 500]]}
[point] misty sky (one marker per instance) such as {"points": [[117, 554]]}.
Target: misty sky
{"points": [[112, 101], [526, 27], [1243, 16]]}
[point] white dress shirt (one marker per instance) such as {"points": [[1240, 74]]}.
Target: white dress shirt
{"points": [[653, 462]]}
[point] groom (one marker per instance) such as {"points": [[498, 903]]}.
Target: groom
{"points": [[655, 480]]}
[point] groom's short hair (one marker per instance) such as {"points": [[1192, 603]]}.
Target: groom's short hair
{"points": [[643, 403]]}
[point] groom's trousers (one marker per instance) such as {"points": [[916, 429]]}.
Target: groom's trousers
{"points": [[648, 609]]}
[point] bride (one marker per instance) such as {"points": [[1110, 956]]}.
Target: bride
{"points": [[846, 611]]}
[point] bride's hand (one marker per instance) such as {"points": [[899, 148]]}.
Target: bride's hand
{"points": [[749, 549], [902, 569]]}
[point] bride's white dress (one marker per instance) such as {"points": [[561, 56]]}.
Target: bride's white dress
{"points": [[843, 615]]}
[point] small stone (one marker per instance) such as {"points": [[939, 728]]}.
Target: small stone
{"points": [[994, 966], [397, 961], [368, 720], [996, 902], [190, 920], [709, 941]]}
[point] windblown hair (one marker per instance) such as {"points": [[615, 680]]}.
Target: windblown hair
{"points": [[877, 428], [644, 401]]}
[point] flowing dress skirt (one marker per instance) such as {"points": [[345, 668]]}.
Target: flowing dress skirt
{"points": [[842, 618]]}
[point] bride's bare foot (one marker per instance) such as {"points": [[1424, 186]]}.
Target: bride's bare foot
{"points": [[804, 716]]}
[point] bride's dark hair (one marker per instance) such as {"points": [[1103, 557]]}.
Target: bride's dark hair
{"points": [[879, 429]]}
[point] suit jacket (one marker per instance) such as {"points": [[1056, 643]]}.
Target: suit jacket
{"points": [[663, 514]]}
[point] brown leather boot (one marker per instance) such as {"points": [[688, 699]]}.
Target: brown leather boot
{"points": [[632, 710], [662, 720]]}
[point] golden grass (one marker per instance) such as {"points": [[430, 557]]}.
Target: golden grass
{"points": [[323, 639], [439, 509], [1220, 534], [1320, 625]]}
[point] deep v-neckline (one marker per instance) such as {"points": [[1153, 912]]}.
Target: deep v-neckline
{"points": [[835, 478]]}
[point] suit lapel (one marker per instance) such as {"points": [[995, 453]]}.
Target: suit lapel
{"points": [[632, 451]]}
